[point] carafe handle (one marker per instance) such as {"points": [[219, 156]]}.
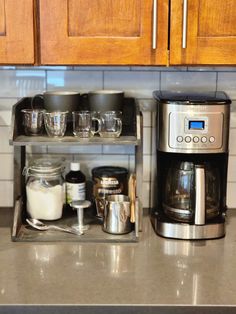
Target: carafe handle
{"points": [[200, 204]]}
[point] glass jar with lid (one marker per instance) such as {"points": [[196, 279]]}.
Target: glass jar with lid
{"points": [[45, 191]]}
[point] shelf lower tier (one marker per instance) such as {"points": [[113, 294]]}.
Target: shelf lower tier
{"points": [[22, 232]]}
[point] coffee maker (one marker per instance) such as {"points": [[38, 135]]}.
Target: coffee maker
{"points": [[192, 161]]}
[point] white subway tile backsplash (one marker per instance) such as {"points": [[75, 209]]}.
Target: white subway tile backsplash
{"points": [[227, 82], [6, 193], [147, 119], [158, 68], [232, 169], [6, 166], [73, 149], [21, 83], [5, 117], [131, 163], [118, 149], [5, 134], [146, 192], [188, 81], [216, 69], [233, 115], [46, 67], [231, 199], [102, 68], [147, 168], [88, 162], [232, 142], [138, 84], [5, 110], [147, 141], [82, 81]]}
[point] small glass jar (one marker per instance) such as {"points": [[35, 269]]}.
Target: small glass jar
{"points": [[45, 192]]}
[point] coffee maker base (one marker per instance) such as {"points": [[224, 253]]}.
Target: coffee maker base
{"points": [[190, 232]]}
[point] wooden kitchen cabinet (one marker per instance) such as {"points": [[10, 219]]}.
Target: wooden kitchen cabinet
{"points": [[16, 32], [117, 32], [210, 32], [103, 32]]}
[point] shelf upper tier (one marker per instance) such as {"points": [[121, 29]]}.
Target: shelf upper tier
{"points": [[131, 129]]}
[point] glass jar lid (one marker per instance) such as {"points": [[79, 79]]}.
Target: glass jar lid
{"points": [[44, 167]]}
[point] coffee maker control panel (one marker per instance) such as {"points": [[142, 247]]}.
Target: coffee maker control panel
{"points": [[196, 131]]}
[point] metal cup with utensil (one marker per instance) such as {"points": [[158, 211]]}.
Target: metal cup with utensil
{"points": [[117, 214], [33, 121]]}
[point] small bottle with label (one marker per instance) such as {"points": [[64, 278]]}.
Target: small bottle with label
{"points": [[75, 184]]}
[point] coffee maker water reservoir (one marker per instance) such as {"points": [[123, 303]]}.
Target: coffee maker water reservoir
{"points": [[192, 159]]}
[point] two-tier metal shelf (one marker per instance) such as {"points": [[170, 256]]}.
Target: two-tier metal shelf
{"points": [[131, 135]]}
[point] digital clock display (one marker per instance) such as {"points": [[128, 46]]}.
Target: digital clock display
{"points": [[196, 125]]}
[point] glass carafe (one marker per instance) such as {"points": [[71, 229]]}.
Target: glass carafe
{"points": [[191, 190]]}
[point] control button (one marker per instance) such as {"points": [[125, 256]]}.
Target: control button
{"points": [[204, 139], [187, 139], [196, 139], [212, 139], [180, 139]]}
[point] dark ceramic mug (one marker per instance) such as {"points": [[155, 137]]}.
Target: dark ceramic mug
{"points": [[105, 100], [59, 100]]}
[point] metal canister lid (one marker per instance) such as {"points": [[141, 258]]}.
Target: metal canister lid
{"points": [[109, 171]]}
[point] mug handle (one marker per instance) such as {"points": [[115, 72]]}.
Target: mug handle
{"points": [[93, 131], [119, 126], [33, 99]]}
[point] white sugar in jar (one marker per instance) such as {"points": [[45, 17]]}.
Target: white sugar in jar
{"points": [[45, 191]]}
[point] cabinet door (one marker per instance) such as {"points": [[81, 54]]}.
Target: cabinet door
{"points": [[210, 32], [102, 32], [16, 32]]}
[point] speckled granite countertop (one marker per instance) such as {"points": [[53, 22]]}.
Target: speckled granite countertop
{"points": [[155, 275]]}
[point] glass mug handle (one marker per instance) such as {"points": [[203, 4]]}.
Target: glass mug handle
{"points": [[93, 131], [119, 126]]}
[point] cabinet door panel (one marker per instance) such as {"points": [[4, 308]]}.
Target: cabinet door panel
{"points": [[102, 32], [120, 18], [211, 32], [16, 32]]}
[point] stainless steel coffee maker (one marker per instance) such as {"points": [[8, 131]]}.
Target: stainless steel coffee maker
{"points": [[192, 160]]}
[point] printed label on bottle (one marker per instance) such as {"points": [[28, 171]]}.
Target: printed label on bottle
{"points": [[75, 192]]}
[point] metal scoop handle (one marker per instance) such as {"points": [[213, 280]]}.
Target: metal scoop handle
{"points": [[37, 224]]}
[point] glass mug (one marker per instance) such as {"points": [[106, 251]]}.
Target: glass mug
{"points": [[84, 123], [111, 124], [55, 123]]}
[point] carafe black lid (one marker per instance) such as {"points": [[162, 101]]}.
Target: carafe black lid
{"points": [[191, 98]]}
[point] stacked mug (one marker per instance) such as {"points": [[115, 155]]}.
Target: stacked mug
{"points": [[58, 106], [103, 116], [63, 107]]}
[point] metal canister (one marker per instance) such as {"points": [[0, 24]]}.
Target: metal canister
{"points": [[108, 180]]}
